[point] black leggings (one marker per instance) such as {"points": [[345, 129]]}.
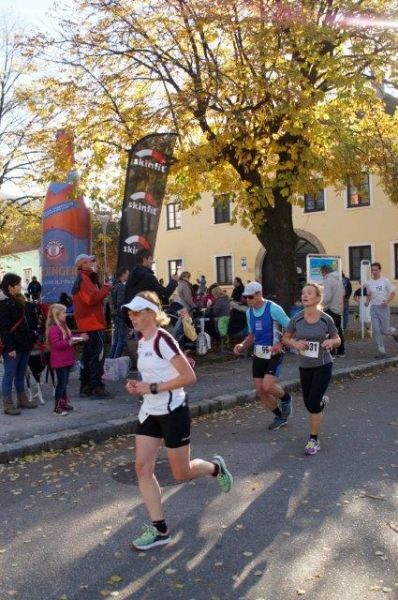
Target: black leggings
{"points": [[314, 383]]}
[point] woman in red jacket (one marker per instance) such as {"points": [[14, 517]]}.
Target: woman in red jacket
{"points": [[62, 354]]}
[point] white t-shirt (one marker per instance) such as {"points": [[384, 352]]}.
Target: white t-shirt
{"points": [[380, 289], [155, 369]]}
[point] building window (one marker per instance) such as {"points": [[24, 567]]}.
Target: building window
{"points": [[356, 254], [224, 270], [175, 267], [395, 261], [314, 203], [222, 212], [173, 215], [358, 192], [27, 276]]}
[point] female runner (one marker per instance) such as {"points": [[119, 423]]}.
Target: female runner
{"points": [[313, 333], [164, 414]]}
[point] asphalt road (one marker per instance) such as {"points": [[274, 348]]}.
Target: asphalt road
{"points": [[321, 527]]}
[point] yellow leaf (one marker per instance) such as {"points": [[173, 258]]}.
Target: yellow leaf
{"points": [[114, 579]]}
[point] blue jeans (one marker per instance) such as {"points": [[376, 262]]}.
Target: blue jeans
{"points": [[62, 382], [120, 335], [14, 372]]}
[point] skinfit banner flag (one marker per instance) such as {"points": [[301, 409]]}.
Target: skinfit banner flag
{"points": [[148, 166]]}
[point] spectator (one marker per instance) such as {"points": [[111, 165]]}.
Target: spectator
{"points": [[142, 278], [209, 298], [62, 355], [333, 297], [201, 281], [219, 308], [197, 298], [119, 323], [346, 303], [88, 301], [380, 293], [183, 294], [17, 342], [66, 300], [34, 289], [238, 290]]}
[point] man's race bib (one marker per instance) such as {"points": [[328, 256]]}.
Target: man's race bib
{"points": [[312, 350], [262, 351]]}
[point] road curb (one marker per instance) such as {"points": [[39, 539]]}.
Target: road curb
{"points": [[70, 438]]}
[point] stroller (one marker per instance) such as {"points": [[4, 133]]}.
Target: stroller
{"points": [[202, 344]]}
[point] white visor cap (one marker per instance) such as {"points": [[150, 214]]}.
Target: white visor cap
{"points": [[138, 303]]}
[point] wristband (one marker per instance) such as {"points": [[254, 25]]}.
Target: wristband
{"points": [[154, 388]]}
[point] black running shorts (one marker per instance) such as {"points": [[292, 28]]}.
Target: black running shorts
{"points": [[174, 428], [264, 366]]}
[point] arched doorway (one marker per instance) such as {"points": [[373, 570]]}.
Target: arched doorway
{"points": [[307, 243]]}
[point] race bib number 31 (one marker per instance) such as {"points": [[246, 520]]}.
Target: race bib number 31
{"points": [[312, 350], [262, 351]]}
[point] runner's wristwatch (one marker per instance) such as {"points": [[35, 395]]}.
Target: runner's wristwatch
{"points": [[154, 388]]}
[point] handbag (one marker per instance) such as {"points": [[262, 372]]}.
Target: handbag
{"points": [[13, 328], [189, 329]]}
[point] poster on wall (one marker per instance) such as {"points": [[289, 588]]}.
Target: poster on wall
{"points": [[316, 261]]}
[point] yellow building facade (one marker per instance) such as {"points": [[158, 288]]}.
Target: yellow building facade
{"points": [[357, 222]]}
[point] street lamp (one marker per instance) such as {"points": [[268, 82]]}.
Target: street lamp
{"points": [[104, 218]]}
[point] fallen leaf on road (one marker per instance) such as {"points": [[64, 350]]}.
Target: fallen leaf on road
{"points": [[114, 579], [393, 526], [300, 592], [170, 571], [248, 554]]}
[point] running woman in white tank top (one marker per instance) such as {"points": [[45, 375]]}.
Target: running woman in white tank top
{"points": [[164, 415]]}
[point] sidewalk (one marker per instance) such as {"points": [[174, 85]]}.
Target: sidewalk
{"points": [[221, 385]]}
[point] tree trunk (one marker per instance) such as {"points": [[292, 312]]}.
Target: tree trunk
{"points": [[279, 239]]}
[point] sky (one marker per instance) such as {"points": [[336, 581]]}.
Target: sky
{"points": [[28, 12]]}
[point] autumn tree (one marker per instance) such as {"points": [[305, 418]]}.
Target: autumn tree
{"points": [[270, 99]]}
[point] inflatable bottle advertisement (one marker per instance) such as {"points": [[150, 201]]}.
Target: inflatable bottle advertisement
{"points": [[65, 222]]}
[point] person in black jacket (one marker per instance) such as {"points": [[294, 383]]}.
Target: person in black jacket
{"points": [[34, 289], [238, 290], [119, 323], [142, 279], [18, 342]]}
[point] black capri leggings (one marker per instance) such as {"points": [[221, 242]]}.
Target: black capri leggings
{"points": [[314, 383]]}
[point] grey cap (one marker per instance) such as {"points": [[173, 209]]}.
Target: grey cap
{"points": [[80, 257]]}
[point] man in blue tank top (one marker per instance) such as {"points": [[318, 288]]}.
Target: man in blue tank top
{"points": [[263, 318]]}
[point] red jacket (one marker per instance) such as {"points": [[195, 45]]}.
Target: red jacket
{"points": [[88, 302]]}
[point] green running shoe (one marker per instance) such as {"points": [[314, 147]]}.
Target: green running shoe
{"points": [[150, 538], [224, 477]]}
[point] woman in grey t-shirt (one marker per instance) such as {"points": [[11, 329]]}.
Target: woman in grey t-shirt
{"points": [[313, 333]]}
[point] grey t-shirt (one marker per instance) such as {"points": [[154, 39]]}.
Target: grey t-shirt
{"points": [[315, 334]]}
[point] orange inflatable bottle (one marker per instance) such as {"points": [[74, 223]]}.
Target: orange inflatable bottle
{"points": [[66, 224]]}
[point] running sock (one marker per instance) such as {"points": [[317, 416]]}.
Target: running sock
{"points": [[160, 526], [277, 412], [313, 436], [216, 470]]}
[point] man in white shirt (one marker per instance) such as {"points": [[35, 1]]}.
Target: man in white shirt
{"points": [[380, 293]]}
